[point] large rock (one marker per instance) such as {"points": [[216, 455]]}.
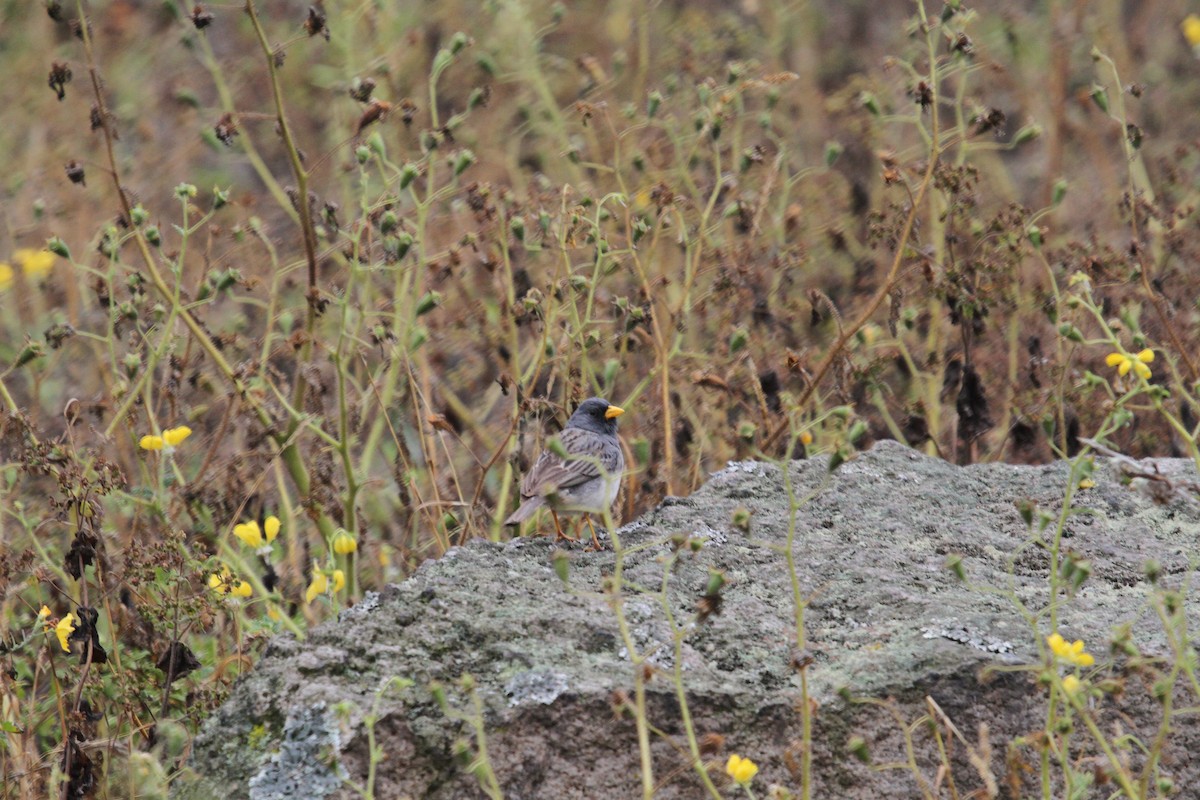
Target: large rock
{"points": [[886, 619]]}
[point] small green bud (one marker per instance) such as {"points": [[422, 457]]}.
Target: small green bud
{"points": [[716, 582], [220, 198], [741, 519], [362, 154], [58, 247], [1027, 134], [856, 432], [833, 151], [869, 102], [738, 340], [486, 64], [132, 364], [428, 302], [441, 61], [517, 226], [139, 215], [1025, 508], [1100, 97], [388, 222], [857, 747], [954, 563], [404, 242], [1035, 235], [28, 353], [375, 144], [747, 431], [462, 161], [653, 101], [458, 42], [1069, 331], [1058, 192], [185, 191], [153, 236], [408, 174], [420, 336]]}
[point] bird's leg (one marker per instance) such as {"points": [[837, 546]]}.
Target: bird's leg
{"points": [[559, 536], [595, 546]]}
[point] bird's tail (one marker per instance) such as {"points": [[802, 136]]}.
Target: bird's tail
{"points": [[528, 508]]}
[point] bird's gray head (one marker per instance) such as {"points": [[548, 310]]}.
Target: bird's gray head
{"points": [[596, 414]]}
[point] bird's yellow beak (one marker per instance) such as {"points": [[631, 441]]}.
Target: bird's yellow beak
{"points": [[613, 412]]}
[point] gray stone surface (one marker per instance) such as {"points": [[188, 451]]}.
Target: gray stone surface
{"points": [[886, 619]]}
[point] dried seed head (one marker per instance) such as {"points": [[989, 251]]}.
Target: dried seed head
{"points": [[75, 173], [316, 23], [201, 18], [226, 129], [60, 76], [362, 88]]}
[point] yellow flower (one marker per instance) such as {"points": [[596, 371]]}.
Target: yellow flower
{"points": [[63, 630], [318, 587], [1191, 29], [43, 612], [806, 438], [249, 533], [339, 580], [1071, 653], [1087, 483], [742, 770], [6, 276], [1137, 363], [35, 263], [344, 543], [168, 441], [253, 536], [175, 436], [1071, 685], [223, 583]]}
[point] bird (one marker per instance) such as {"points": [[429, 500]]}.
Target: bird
{"points": [[587, 480]]}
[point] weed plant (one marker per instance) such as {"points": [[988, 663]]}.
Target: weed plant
{"points": [[291, 299]]}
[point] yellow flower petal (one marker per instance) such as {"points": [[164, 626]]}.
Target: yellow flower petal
{"points": [[151, 443], [217, 583], [1146, 356], [806, 438], [1191, 29], [1126, 365], [6, 275], [175, 436], [1141, 370], [1113, 359], [242, 589], [318, 587], [344, 543], [1071, 685], [43, 612], [35, 263], [271, 527], [339, 580], [249, 533], [742, 770], [64, 629]]}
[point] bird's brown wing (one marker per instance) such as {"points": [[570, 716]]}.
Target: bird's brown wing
{"points": [[552, 473]]}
